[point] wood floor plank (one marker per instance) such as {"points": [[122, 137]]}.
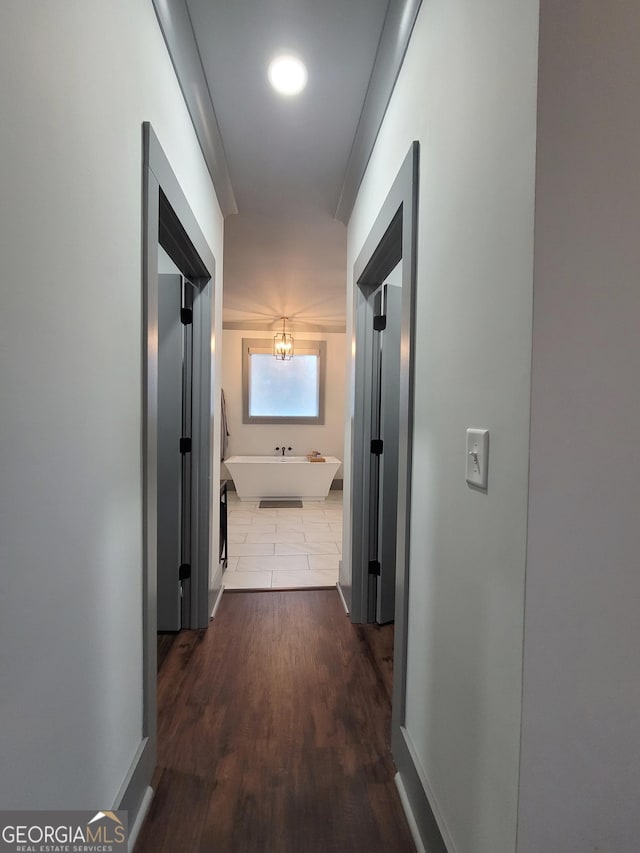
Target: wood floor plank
{"points": [[379, 640], [274, 729], [165, 641]]}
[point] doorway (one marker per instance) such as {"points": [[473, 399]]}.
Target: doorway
{"points": [[168, 222], [183, 482], [384, 298]]}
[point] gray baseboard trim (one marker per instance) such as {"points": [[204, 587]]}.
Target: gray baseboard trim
{"points": [[434, 838], [133, 795], [216, 593], [342, 598], [134, 831]]}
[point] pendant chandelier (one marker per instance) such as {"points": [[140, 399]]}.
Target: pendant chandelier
{"points": [[283, 343]]}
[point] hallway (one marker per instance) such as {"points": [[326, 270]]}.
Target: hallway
{"points": [[273, 735], [131, 126]]}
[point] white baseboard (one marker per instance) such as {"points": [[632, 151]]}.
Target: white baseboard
{"points": [[406, 805], [135, 792], [134, 830], [428, 791], [417, 797], [218, 599], [344, 603]]}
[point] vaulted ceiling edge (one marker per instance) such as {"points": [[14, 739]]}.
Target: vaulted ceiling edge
{"points": [[394, 40], [175, 23]]}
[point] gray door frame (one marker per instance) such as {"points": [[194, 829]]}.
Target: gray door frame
{"points": [[167, 219], [179, 235], [392, 239]]}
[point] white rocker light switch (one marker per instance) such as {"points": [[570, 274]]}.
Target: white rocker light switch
{"points": [[477, 457]]}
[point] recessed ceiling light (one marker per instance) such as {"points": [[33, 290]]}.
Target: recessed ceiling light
{"points": [[287, 74]]}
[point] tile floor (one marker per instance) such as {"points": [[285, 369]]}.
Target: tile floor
{"points": [[283, 548]]}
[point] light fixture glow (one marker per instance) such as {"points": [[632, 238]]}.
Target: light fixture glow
{"points": [[283, 343], [287, 74]]}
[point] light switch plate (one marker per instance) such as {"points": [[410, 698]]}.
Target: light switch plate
{"points": [[478, 457]]}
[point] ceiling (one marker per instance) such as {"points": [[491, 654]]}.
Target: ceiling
{"points": [[286, 170], [287, 155]]}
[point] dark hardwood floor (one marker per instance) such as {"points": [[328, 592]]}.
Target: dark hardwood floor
{"points": [[378, 640], [165, 642], [274, 735]]}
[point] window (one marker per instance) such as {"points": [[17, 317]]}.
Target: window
{"points": [[283, 392]]}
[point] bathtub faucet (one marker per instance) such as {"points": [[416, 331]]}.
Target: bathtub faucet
{"points": [[283, 449]]}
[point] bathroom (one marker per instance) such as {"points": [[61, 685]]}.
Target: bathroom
{"points": [[284, 547]]}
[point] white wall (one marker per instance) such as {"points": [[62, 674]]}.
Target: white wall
{"points": [[581, 716], [261, 439], [467, 92], [77, 79]]}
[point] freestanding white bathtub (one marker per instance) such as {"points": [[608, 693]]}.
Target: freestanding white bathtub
{"points": [[257, 477]]}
